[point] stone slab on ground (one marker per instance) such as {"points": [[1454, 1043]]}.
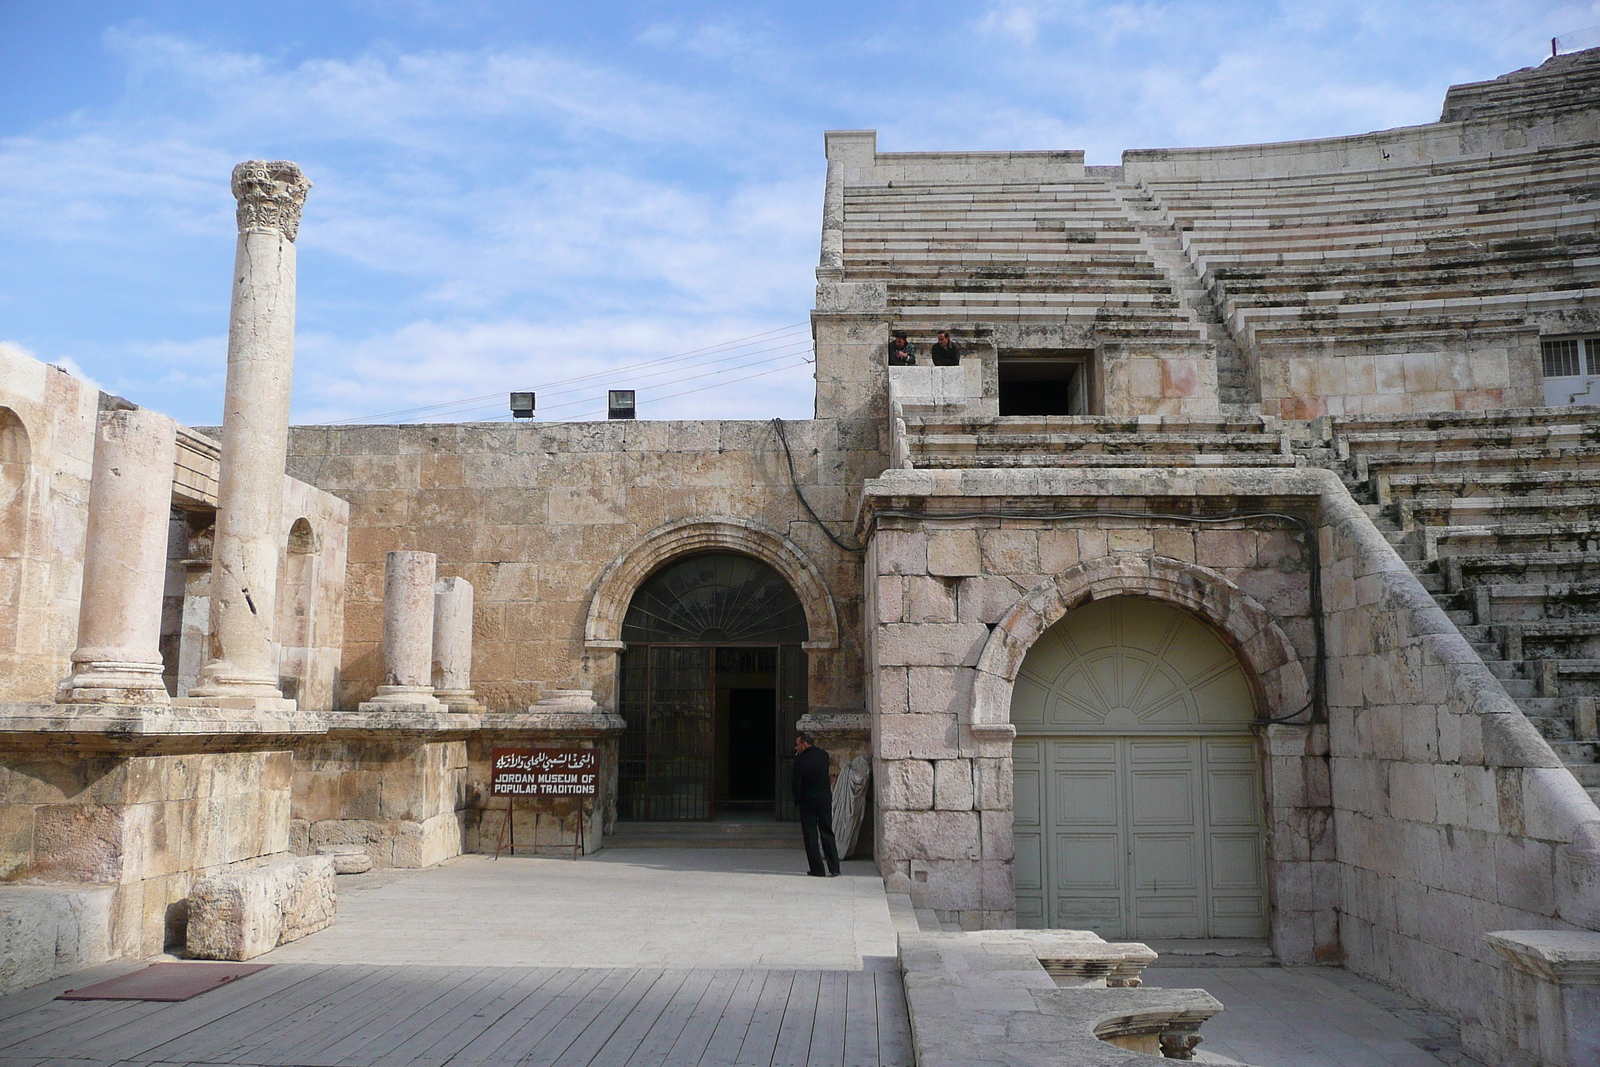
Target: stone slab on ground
{"points": [[669, 907], [1313, 1017], [48, 930], [241, 913]]}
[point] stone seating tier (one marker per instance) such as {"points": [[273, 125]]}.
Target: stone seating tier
{"points": [[1095, 441], [1498, 515], [1561, 82]]}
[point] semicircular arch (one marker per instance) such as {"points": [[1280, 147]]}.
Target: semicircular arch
{"points": [[614, 591], [1277, 680]]}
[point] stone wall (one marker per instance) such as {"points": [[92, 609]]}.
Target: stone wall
{"points": [[138, 819], [1453, 816], [533, 515], [955, 602], [47, 427], [400, 798]]}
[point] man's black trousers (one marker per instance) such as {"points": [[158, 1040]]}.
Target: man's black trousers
{"points": [[816, 820]]}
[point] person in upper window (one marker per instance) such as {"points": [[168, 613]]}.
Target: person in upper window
{"points": [[901, 354], [944, 351]]}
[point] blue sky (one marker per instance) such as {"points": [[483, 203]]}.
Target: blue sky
{"points": [[510, 196]]}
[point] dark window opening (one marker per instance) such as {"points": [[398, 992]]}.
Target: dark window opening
{"points": [[1044, 384]]}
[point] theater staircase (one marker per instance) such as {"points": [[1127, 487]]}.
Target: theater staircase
{"points": [[1498, 514], [1164, 245]]}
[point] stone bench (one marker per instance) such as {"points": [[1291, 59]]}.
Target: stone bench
{"points": [[984, 998], [240, 913]]}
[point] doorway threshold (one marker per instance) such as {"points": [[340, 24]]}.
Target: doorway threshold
{"points": [[738, 831], [1212, 952]]}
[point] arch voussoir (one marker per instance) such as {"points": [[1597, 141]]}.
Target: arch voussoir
{"points": [[1249, 627]]}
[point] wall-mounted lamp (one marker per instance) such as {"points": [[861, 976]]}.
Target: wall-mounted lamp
{"points": [[522, 405], [619, 404]]}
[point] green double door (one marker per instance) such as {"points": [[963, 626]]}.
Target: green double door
{"points": [[1140, 837]]}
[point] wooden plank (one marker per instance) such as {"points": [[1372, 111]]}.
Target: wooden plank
{"points": [[581, 1034], [620, 1045], [689, 1048], [894, 1021], [522, 1027], [762, 1034], [311, 1027], [412, 991], [39, 996], [192, 1021], [208, 1034], [139, 1037], [861, 1020], [394, 1038], [799, 1016], [41, 1032], [827, 1033], [669, 1025], [723, 1048], [513, 986]]}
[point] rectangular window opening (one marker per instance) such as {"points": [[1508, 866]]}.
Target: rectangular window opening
{"points": [[1044, 383]]}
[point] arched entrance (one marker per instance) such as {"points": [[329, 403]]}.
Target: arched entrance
{"points": [[1138, 791], [711, 686]]}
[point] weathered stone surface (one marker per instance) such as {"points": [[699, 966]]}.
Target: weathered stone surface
{"points": [[347, 859], [49, 931], [239, 914]]}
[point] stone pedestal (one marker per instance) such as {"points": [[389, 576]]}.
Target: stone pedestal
{"points": [[408, 580], [452, 645], [242, 668], [1549, 1010], [118, 658]]}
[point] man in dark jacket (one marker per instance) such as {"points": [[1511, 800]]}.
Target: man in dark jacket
{"points": [[814, 798]]}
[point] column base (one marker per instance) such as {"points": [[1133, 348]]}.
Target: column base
{"points": [[211, 698], [113, 682], [404, 696], [461, 701]]}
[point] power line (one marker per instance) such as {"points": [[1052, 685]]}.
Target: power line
{"points": [[737, 342], [697, 389]]}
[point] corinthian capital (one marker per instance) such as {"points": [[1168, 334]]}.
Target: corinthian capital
{"points": [[270, 195]]}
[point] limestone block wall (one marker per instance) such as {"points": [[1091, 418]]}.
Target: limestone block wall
{"points": [[142, 820], [400, 798], [47, 426], [1453, 817], [938, 592], [1494, 370], [533, 514]]}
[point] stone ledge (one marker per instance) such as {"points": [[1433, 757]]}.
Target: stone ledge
{"points": [[153, 720], [836, 724], [538, 720], [984, 998], [403, 718]]}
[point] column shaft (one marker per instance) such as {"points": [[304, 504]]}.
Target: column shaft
{"points": [[452, 644], [242, 666], [118, 658], [408, 580]]}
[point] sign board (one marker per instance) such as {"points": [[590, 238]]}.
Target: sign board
{"points": [[544, 772]]}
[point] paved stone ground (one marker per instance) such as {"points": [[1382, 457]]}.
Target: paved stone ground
{"points": [[645, 957], [625, 907], [1313, 1017]]}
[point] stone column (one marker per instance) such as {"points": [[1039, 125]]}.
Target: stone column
{"points": [[241, 670], [408, 580], [118, 658], [452, 645]]}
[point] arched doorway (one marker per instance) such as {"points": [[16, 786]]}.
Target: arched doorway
{"points": [[1138, 791], [711, 686]]}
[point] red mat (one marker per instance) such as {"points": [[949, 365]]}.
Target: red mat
{"points": [[165, 981]]}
